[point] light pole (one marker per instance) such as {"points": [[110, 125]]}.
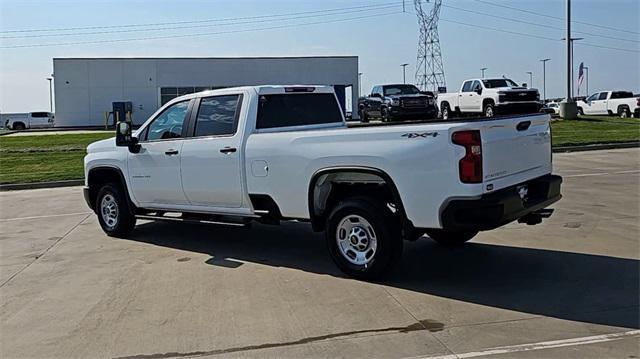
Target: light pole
{"points": [[530, 78], [359, 84], [568, 108], [544, 79], [404, 77], [587, 69], [50, 95], [483, 69], [571, 60]]}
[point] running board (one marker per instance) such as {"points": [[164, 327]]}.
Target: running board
{"points": [[191, 220]]}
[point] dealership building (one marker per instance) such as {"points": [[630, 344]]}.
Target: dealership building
{"points": [[86, 88]]}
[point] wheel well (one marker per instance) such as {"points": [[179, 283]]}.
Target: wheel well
{"points": [[487, 101], [445, 104], [623, 107], [13, 125], [329, 187], [100, 176]]}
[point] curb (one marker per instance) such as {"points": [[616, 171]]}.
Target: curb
{"points": [[37, 185], [595, 147]]}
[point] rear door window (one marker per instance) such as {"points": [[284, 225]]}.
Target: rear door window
{"points": [[284, 110], [217, 116], [603, 96]]}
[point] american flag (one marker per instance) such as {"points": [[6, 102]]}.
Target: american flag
{"points": [[580, 76]]}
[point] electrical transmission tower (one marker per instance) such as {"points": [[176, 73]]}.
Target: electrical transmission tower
{"points": [[429, 68]]}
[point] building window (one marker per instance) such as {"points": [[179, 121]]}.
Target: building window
{"points": [[169, 93]]}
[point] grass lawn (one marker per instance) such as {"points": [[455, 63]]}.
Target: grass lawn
{"points": [[595, 129], [59, 157], [44, 158]]}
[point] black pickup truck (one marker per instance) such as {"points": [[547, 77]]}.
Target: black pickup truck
{"points": [[397, 102]]}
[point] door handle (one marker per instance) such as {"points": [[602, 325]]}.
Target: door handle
{"points": [[228, 150], [171, 152]]}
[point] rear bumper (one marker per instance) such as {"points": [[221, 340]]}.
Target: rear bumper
{"points": [[413, 113], [496, 209]]}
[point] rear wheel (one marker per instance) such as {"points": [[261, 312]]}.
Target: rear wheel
{"points": [[113, 211], [363, 237], [624, 112], [19, 126], [450, 238]]}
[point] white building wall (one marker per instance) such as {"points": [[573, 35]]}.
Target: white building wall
{"points": [[86, 88]]}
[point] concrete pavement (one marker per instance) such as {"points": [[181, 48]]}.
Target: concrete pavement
{"points": [[566, 288]]}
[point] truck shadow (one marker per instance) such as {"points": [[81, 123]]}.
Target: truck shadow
{"points": [[564, 285]]}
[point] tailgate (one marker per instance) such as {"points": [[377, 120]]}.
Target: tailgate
{"points": [[515, 150]]}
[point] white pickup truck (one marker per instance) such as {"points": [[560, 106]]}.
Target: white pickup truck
{"points": [[621, 103], [489, 97], [276, 153], [29, 120]]}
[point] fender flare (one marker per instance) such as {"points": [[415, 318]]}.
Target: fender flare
{"points": [[316, 223], [123, 182]]}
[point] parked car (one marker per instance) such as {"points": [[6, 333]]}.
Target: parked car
{"points": [[397, 102], [551, 109], [489, 97], [621, 103], [276, 153], [30, 120]]}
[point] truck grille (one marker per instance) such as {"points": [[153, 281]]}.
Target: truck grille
{"points": [[414, 102], [519, 96]]}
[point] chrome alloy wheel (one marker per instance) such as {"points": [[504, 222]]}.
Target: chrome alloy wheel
{"points": [[109, 210], [356, 240]]}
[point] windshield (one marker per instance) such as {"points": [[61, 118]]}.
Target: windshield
{"points": [[400, 90], [499, 83]]}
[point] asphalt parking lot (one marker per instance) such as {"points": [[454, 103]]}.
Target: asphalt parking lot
{"points": [[566, 288]]}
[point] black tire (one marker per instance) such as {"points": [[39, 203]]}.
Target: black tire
{"points": [[364, 118], [19, 126], [450, 238], [383, 226], [624, 112], [125, 220], [446, 112], [489, 110], [580, 111], [384, 115]]}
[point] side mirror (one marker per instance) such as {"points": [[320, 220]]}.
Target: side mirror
{"points": [[124, 136], [524, 84]]}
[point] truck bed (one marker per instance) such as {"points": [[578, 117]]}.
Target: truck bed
{"points": [[356, 124]]}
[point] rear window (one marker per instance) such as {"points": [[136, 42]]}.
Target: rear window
{"points": [[283, 110], [621, 94]]}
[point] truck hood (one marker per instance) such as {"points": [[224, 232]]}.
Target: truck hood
{"points": [[508, 89], [103, 145]]}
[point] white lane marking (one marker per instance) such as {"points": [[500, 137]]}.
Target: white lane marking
{"points": [[38, 217], [602, 174], [540, 345]]}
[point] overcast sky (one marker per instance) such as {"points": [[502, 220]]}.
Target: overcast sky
{"points": [[383, 38]]}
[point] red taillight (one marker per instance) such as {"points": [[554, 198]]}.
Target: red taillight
{"points": [[470, 165]]}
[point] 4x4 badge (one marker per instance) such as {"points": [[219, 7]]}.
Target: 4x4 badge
{"points": [[420, 134]]}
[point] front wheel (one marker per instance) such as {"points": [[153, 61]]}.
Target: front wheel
{"points": [[363, 237], [489, 110], [384, 113], [364, 118], [445, 112], [113, 211], [580, 111], [450, 238]]}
